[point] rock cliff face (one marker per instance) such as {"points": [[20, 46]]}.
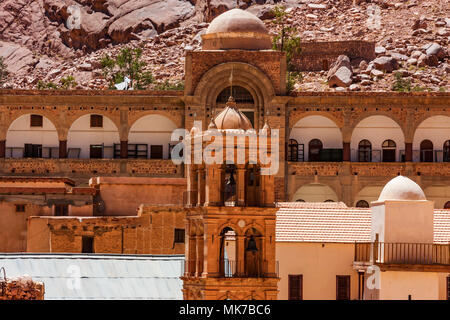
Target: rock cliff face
{"points": [[50, 39]]}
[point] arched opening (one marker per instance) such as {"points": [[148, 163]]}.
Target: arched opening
{"points": [[228, 253], [315, 146], [377, 129], [32, 136], [436, 130], [315, 192], [299, 200], [426, 151], [229, 193], [446, 151], [243, 98], [293, 150], [389, 148], [317, 128], [447, 205], [92, 136], [362, 204], [368, 194], [150, 137], [364, 151], [439, 194], [253, 253]]}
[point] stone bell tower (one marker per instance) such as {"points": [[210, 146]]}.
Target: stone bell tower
{"points": [[230, 216]]}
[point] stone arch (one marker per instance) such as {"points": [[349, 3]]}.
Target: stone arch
{"points": [[440, 194], [295, 117], [19, 133], [377, 129], [368, 193], [153, 129], [81, 136], [421, 117], [133, 117], [231, 225], [46, 114], [315, 192], [73, 115], [436, 129], [368, 114], [316, 127]]}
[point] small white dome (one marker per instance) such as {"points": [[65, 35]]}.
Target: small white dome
{"points": [[401, 188]]}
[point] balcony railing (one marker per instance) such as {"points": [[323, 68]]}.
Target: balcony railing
{"points": [[403, 253], [234, 269]]}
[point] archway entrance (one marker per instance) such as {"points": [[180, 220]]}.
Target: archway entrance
{"points": [[243, 98]]}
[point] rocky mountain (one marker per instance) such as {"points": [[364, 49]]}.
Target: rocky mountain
{"points": [[50, 39]]}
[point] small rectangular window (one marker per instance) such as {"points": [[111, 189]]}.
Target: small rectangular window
{"points": [[35, 120], [96, 151], [448, 288], [96, 121], [20, 208], [156, 152], [87, 245], [342, 287], [61, 210], [295, 287], [179, 236]]}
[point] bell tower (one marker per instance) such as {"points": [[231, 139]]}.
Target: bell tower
{"points": [[230, 216]]}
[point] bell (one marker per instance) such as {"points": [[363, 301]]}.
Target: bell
{"points": [[251, 245]]}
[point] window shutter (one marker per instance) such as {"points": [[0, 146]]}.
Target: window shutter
{"points": [[295, 287], [35, 120], [448, 288], [96, 121], [342, 287], [156, 152]]}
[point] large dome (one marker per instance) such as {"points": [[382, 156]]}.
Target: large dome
{"points": [[401, 188], [236, 29], [232, 118]]}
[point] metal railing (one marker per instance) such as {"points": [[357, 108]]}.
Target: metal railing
{"points": [[233, 269], [403, 253]]}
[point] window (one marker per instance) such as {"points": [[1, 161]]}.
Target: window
{"points": [[342, 287], [240, 95], [329, 200], [61, 210], [362, 204], [299, 200], [389, 148], [20, 208], [447, 151], [293, 150], [35, 120], [364, 151], [87, 245], [295, 287], [426, 151], [315, 146], [96, 151], [32, 150], [448, 288], [96, 121], [156, 152], [179, 236], [447, 205]]}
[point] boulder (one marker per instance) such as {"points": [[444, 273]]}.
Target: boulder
{"points": [[387, 64], [436, 50], [341, 78]]}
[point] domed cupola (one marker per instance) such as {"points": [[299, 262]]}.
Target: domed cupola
{"points": [[231, 118], [401, 188], [236, 29]]}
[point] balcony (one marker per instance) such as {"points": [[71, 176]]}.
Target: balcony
{"points": [[234, 269], [383, 253]]}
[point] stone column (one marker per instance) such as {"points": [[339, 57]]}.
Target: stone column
{"points": [[213, 186], [192, 186], [241, 185], [2, 148], [63, 149], [240, 254], [408, 151], [211, 250], [200, 256], [346, 152], [123, 149], [191, 260], [201, 186]]}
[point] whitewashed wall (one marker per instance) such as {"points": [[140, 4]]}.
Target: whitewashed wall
{"points": [[317, 127], [436, 129], [377, 129], [153, 130], [81, 135], [20, 132]]}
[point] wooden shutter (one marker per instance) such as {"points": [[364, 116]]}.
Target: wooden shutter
{"points": [[87, 245], [96, 121], [61, 210], [96, 151], [35, 120], [295, 287], [156, 152], [448, 288], [179, 236], [342, 287]]}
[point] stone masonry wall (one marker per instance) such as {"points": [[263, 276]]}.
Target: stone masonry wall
{"points": [[22, 288]]}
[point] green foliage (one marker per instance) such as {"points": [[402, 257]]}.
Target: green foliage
{"points": [[291, 78], [167, 85], [126, 64], [404, 85], [65, 83], [441, 89], [287, 39], [3, 71]]}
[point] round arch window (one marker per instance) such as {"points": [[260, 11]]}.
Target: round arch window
{"points": [[364, 151], [362, 204], [426, 151], [447, 205], [447, 151], [315, 146], [389, 148]]}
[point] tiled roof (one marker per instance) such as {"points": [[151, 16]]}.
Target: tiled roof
{"points": [[312, 205], [338, 224]]}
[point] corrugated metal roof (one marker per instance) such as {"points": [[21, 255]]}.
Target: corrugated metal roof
{"points": [[101, 276]]}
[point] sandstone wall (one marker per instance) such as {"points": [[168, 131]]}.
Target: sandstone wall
{"points": [[22, 288]]}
